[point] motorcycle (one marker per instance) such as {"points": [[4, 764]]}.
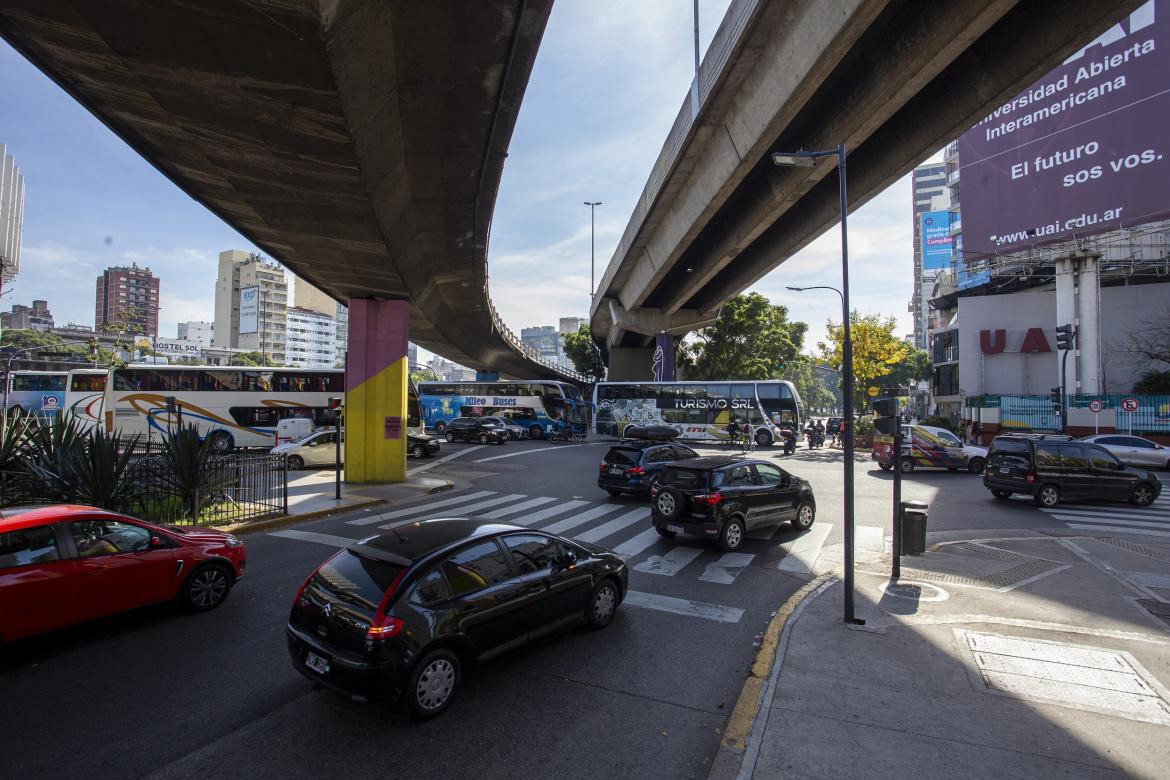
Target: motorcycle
{"points": [[789, 441]]}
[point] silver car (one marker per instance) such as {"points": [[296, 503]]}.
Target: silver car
{"points": [[317, 449], [514, 431], [1134, 450]]}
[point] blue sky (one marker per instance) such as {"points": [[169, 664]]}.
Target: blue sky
{"points": [[608, 82]]}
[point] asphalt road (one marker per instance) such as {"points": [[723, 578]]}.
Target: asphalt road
{"points": [[163, 693]]}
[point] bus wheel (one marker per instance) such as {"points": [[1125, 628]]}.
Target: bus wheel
{"points": [[763, 439], [440, 428], [534, 431], [221, 441]]}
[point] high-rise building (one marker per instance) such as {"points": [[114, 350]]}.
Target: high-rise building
{"points": [[251, 304], [127, 301], [929, 183], [541, 338], [38, 317], [412, 354], [342, 318], [11, 216], [309, 297], [201, 333], [310, 339]]}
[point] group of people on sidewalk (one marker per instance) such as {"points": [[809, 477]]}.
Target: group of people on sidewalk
{"points": [[972, 432]]}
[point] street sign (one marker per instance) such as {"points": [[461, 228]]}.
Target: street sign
{"points": [[1096, 406], [1129, 404], [873, 392]]}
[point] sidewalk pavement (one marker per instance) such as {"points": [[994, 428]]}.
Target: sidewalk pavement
{"points": [[1024, 655]]}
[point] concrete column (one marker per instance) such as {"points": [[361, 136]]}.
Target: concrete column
{"points": [[1088, 328], [376, 376], [631, 364], [663, 358], [1066, 313]]}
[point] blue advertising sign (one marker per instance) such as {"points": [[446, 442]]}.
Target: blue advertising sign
{"points": [[937, 248]]}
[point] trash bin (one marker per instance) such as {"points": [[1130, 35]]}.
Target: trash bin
{"points": [[913, 527]]}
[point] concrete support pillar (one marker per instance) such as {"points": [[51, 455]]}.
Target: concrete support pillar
{"points": [[1066, 313], [631, 364], [1088, 325], [663, 358], [376, 376]]}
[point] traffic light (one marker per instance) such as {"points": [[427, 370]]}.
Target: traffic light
{"points": [[1057, 400], [783, 365], [885, 416], [1065, 337], [336, 404]]}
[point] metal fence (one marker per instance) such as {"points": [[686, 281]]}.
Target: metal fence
{"points": [[1035, 412]]}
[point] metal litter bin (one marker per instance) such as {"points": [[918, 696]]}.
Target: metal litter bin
{"points": [[913, 527]]}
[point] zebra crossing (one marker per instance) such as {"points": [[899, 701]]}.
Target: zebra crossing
{"points": [[1153, 520]]}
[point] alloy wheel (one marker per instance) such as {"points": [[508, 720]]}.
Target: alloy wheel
{"points": [[734, 535], [666, 504], [804, 516], [209, 587], [1143, 495]]}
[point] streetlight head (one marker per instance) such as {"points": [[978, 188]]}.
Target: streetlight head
{"points": [[797, 289], [801, 159]]}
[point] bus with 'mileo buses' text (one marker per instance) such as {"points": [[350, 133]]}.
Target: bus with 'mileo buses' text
{"points": [[699, 411], [535, 404]]}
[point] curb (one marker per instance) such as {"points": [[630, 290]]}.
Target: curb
{"points": [[743, 717]]}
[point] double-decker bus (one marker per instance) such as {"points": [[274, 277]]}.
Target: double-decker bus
{"points": [[84, 391], [535, 404], [40, 394], [698, 410], [234, 406]]}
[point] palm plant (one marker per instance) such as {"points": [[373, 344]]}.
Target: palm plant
{"points": [[93, 469], [188, 470], [14, 448]]}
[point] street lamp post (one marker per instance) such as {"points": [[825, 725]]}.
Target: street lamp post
{"points": [[592, 204], [805, 159]]}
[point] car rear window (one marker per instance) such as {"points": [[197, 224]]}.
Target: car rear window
{"points": [[1009, 447], [685, 478], [27, 545], [355, 579], [623, 456]]}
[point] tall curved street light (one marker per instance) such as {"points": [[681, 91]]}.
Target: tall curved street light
{"points": [[808, 159]]}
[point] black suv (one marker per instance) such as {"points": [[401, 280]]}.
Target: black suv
{"points": [[474, 429], [726, 498], [1052, 468], [631, 466], [406, 611]]}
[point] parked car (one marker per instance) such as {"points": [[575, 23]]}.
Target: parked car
{"points": [[926, 445], [421, 445], [1133, 450], [514, 431], [316, 449], [475, 429], [1052, 469], [405, 612], [726, 498], [65, 564], [631, 466]]}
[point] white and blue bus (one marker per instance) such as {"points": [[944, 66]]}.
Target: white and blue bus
{"points": [[699, 411], [535, 404], [39, 394]]}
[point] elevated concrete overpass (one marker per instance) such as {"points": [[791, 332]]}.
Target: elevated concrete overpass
{"points": [[893, 81]]}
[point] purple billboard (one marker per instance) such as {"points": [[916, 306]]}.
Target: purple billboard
{"points": [[1078, 152]]}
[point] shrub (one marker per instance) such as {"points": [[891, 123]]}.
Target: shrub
{"points": [[864, 426], [91, 471], [188, 471], [939, 421]]}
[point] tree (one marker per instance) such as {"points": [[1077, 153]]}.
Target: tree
{"points": [[817, 386], [876, 350], [1151, 339], [251, 359], [1153, 383], [586, 357], [749, 341], [913, 368], [24, 338]]}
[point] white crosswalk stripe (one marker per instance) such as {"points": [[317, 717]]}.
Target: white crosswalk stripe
{"points": [[727, 568], [471, 509], [420, 508], [1153, 520], [545, 514], [639, 544], [515, 508], [670, 564], [613, 526], [569, 523]]}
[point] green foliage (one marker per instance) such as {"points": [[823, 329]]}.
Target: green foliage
{"points": [[188, 473], [23, 338], [92, 470], [913, 368], [750, 339], [938, 421], [583, 352], [864, 426], [876, 350], [252, 359], [817, 387], [1153, 383], [14, 442]]}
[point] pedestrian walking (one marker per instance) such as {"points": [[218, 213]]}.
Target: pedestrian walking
{"points": [[977, 433]]}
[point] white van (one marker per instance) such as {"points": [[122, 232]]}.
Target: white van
{"points": [[292, 429]]}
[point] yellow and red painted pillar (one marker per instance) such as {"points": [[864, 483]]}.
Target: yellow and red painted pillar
{"points": [[376, 373]]}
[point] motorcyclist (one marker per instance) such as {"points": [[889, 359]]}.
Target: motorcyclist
{"points": [[819, 427], [732, 431]]}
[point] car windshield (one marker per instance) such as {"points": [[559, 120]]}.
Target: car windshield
{"points": [[684, 478]]}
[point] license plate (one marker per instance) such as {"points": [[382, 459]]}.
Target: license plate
{"points": [[317, 663], [1004, 469], [616, 470], [677, 529]]}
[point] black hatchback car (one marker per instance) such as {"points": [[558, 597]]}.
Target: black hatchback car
{"points": [[631, 466], [404, 612], [421, 446], [1052, 469], [725, 498], [475, 429]]}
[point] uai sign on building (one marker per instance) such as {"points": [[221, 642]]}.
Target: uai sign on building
{"points": [[1081, 151]]}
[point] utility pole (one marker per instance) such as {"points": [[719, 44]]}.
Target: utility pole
{"points": [[592, 204]]}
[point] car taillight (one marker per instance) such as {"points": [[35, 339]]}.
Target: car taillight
{"points": [[299, 600], [634, 471], [601, 467], [384, 626], [708, 499], [1030, 477]]}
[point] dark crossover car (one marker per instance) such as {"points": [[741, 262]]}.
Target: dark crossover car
{"points": [[631, 466], [421, 446], [404, 612], [725, 498], [476, 429], [1052, 469]]}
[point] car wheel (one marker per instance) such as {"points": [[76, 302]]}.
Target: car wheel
{"points": [[805, 514], [440, 428], [670, 503], [885, 466], [603, 603], [418, 451], [732, 536], [221, 441], [1143, 495], [1005, 494], [432, 684], [1047, 496], [295, 462], [664, 533], [206, 588], [763, 439], [907, 465], [483, 438], [534, 432], [450, 437], [975, 465]]}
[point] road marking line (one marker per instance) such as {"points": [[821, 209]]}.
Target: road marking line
{"points": [[727, 568], [699, 609], [444, 459], [511, 510], [800, 554], [1149, 579], [576, 520], [1117, 529], [613, 526], [544, 514], [472, 508], [416, 508], [310, 536], [670, 564], [539, 449], [639, 543], [1117, 521], [1136, 514]]}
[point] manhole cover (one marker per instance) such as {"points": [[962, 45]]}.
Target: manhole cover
{"points": [[1094, 679]]}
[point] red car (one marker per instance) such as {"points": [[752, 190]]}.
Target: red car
{"points": [[61, 565]]}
